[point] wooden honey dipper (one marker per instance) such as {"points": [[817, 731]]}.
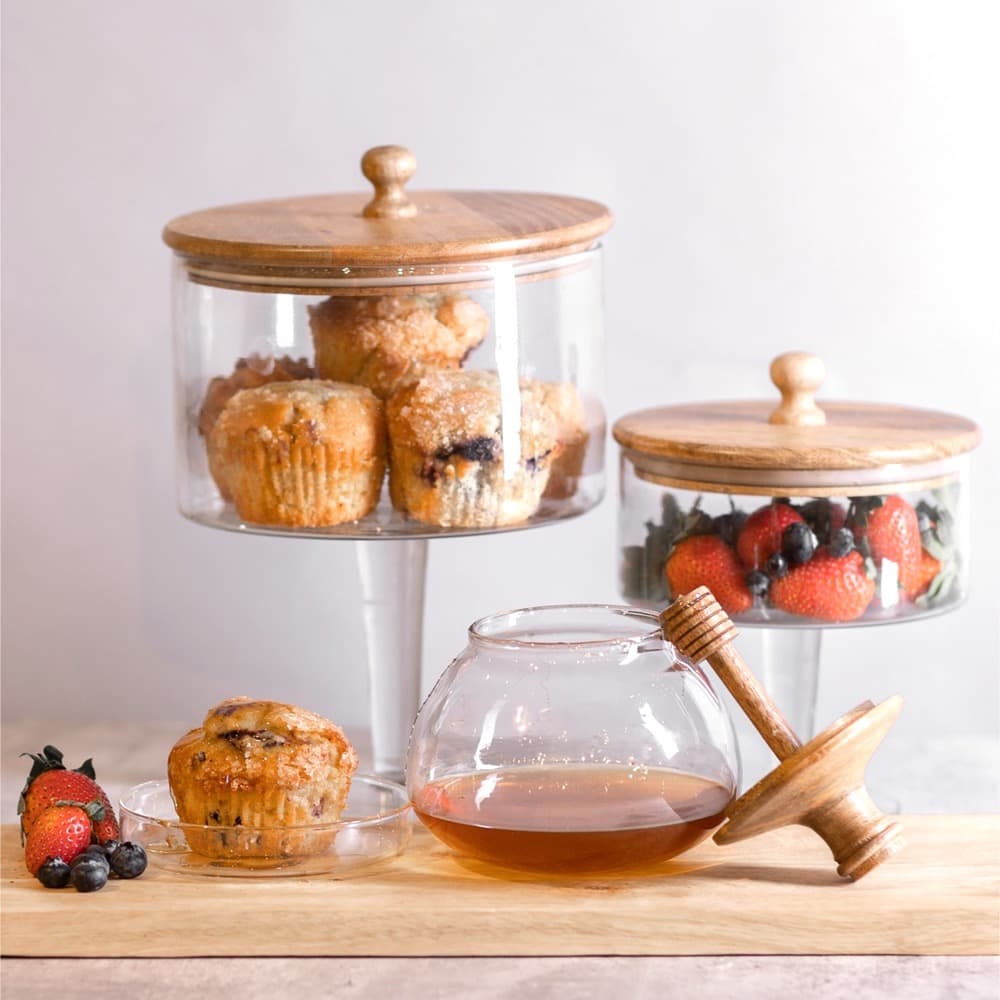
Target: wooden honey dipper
{"points": [[820, 784]]}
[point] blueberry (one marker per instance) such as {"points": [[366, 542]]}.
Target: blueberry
{"points": [[842, 543], [776, 566], [757, 582], [54, 873], [110, 846], [924, 522], [797, 543], [91, 856], [129, 860], [94, 851], [88, 874]]}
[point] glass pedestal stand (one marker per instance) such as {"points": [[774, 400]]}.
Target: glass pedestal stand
{"points": [[391, 555], [786, 662], [392, 574]]}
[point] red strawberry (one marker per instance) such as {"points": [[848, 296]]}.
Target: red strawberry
{"points": [[893, 534], [706, 561], [58, 832], [922, 577], [828, 588], [49, 782], [760, 536]]}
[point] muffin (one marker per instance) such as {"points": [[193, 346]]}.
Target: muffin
{"points": [[385, 342], [571, 433], [270, 768], [301, 454], [248, 374], [453, 463]]}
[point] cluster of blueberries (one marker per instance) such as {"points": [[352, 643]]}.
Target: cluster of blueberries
{"points": [[91, 870]]}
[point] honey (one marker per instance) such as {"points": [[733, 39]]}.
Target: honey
{"points": [[576, 818]]}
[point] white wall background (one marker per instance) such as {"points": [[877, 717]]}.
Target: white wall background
{"points": [[784, 175]]}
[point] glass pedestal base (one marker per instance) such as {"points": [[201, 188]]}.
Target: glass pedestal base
{"points": [[392, 593]]}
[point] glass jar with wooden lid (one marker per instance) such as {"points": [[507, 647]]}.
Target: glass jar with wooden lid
{"points": [[390, 365], [469, 324], [797, 514]]}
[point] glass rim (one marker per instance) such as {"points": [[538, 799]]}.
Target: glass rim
{"points": [[376, 279], [478, 629], [358, 822]]}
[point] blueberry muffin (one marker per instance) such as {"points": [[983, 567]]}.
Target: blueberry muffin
{"points": [[264, 773], [454, 462], [301, 454], [249, 373], [566, 405], [384, 342]]}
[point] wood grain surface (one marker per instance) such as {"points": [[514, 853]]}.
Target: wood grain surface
{"points": [[738, 434], [777, 894], [449, 227]]}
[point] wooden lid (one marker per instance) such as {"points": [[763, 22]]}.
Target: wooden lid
{"points": [[796, 444], [393, 227]]}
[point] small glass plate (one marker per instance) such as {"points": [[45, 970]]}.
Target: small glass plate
{"points": [[374, 827]]}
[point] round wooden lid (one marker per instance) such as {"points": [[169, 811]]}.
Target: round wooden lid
{"points": [[389, 228], [800, 441]]}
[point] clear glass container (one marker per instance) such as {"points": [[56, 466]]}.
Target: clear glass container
{"points": [[801, 516], [389, 366], [797, 560], [521, 446], [375, 827], [571, 739]]}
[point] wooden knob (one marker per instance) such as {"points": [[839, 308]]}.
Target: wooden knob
{"points": [[389, 168], [819, 785], [798, 376]]}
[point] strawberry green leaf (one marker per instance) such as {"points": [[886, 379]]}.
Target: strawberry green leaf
{"points": [[940, 588]]}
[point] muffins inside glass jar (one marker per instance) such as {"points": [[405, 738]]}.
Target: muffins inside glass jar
{"points": [[393, 385]]}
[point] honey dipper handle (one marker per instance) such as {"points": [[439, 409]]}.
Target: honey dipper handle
{"points": [[701, 630], [798, 376], [389, 168]]}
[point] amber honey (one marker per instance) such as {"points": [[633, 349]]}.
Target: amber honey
{"points": [[572, 818]]}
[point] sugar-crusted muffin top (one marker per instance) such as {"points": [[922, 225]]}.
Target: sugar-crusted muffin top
{"points": [[411, 325], [248, 373], [445, 411], [566, 405], [386, 341], [315, 410]]}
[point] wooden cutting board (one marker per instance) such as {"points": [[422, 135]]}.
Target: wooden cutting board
{"points": [[777, 894]]}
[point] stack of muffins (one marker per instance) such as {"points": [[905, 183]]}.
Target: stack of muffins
{"points": [[290, 446]]}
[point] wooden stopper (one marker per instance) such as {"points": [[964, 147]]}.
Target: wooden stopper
{"points": [[389, 168], [819, 785], [798, 376]]}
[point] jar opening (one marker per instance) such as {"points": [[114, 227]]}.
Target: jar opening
{"points": [[568, 626]]}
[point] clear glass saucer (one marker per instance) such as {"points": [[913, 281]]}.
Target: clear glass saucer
{"points": [[375, 827]]}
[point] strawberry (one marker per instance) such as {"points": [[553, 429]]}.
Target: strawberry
{"points": [[760, 536], [706, 560], [927, 569], [827, 587], [57, 832], [893, 534], [50, 782]]}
